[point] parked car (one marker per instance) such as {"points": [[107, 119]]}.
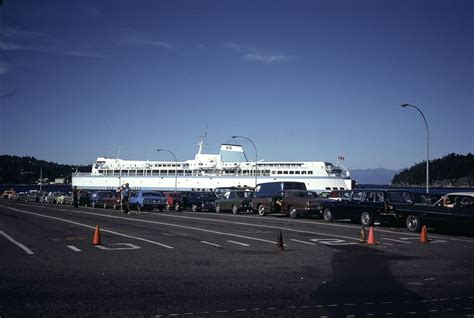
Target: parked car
{"points": [[33, 196], [113, 201], [235, 201], [292, 203], [366, 206], [174, 200], [97, 198], [147, 200], [42, 197], [67, 198], [83, 198], [21, 196], [9, 194], [51, 197], [199, 201], [450, 211], [265, 195]]}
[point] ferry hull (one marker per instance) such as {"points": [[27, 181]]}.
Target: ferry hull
{"points": [[167, 183]]}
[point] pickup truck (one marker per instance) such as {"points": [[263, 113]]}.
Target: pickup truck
{"points": [[147, 200], [366, 206], [451, 211]]}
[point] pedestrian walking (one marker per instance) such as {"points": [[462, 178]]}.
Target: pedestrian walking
{"points": [[125, 197], [75, 197]]}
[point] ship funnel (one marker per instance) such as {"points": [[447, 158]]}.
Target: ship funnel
{"points": [[232, 153]]}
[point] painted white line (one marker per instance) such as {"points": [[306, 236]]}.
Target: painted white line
{"points": [[11, 239], [91, 227], [304, 242], [159, 223], [75, 249], [394, 240], [253, 225], [209, 243], [128, 246], [332, 242], [430, 240], [243, 244]]}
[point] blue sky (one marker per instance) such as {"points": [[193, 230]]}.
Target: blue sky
{"points": [[305, 80]]}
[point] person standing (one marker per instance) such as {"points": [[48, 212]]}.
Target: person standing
{"points": [[125, 196], [75, 197]]}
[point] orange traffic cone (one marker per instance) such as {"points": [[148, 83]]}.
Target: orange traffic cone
{"points": [[96, 239], [371, 239], [424, 235], [279, 244], [363, 236]]}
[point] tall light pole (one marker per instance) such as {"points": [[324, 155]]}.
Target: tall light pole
{"points": [[175, 169], [41, 178], [427, 147], [256, 157]]}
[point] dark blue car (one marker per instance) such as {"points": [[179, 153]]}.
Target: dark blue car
{"points": [[97, 198]]}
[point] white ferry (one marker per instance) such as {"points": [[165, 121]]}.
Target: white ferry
{"points": [[229, 168]]}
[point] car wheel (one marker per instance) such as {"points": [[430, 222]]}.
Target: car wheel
{"points": [[327, 215], [139, 208], [115, 207], [366, 219], [218, 208], [293, 213], [177, 207], [413, 223], [261, 210], [194, 208], [235, 210], [167, 207]]}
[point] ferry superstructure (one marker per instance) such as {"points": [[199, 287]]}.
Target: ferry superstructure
{"points": [[229, 168]]}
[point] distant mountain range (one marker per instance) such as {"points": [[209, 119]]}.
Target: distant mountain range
{"points": [[373, 176]]}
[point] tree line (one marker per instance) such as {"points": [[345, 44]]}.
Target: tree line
{"points": [[452, 170], [27, 170]]}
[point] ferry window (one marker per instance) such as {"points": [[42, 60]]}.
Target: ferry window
{"points": [[285, 172], [297, 172], [101, 171], [303, 172], [139, 172], [328, 188], [273, 172], [341, 188], [280, 172], [334, 188], [310, 172], [292, 172]]}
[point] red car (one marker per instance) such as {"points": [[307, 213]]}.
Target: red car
{"points": [[113, 201]]}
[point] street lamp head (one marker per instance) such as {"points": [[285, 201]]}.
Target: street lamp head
{"points": [[233, 137], [159, 150], [404, 105]]}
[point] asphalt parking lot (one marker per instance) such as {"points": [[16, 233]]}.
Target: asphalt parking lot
{"points": [[186, 264]]}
